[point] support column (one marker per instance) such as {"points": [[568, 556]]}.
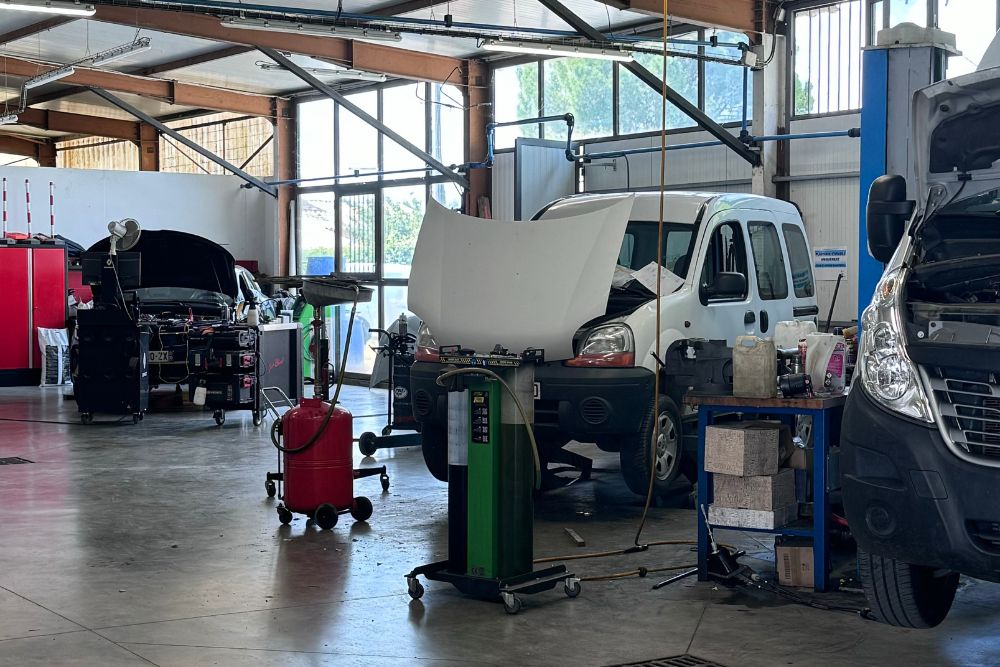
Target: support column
{"points": [[478, 94], [284, 167], [770, 113], [46, 154], [149, 148]]}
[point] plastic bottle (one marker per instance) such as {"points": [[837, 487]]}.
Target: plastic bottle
{"points": [[755, 368], [826, 363]]}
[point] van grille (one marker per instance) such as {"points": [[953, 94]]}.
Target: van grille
{"points": [[969, 403]]}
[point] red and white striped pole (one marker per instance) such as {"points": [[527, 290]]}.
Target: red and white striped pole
{"points": [[27, 204], [5, 208], [52, 210]]}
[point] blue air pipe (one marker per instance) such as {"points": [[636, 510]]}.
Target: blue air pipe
{"points": [[491, 129]]}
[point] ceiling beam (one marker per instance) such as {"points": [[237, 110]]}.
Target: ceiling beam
{"points": [[59, 121], [172, 92], [191, 61], [18, 146], [35, 28], [359, 55], [737, 15]]}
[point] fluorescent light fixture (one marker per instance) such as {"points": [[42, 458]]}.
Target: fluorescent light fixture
{"points": [[372, 34], [119, 52], [64, 7], [8, 119], [343, 74], [49, 77], [539, 48]]}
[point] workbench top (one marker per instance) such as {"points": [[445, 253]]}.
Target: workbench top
{"points": [[728, 400]]}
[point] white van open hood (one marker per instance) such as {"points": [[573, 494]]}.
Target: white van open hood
{"points": [[479, 283], [956, 139]]}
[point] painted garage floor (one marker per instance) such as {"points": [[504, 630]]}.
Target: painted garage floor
{"points": [[155, 544]]}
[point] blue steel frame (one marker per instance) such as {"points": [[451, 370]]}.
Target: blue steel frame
{"points": [[822, 422], [874, 127]]}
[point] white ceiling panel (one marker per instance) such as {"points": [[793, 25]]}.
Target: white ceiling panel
{"points": [[73, 41], [14, 20]]}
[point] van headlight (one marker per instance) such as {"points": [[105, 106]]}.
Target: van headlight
{"points": [[606, 346], [887, 373]]}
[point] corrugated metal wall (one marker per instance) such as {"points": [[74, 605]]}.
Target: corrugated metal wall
{"points": [[503, 186]]}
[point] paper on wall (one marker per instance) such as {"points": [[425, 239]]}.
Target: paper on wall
{"points": [[669, 280], [479, 283], [830, 262]]}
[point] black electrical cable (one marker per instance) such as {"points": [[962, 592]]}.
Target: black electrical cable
{"points": [[628, 173], [275, 440]]}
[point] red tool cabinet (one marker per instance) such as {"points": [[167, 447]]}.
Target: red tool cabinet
{"points": [[33, 277]]}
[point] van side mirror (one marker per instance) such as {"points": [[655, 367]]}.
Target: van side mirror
{"points": [[728, 286], [888, 212]]}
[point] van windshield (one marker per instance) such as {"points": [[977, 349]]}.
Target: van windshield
{"points": [[986, 203], [639, 246]]}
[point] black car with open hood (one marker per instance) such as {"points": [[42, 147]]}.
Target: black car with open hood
{"points": [[182, 271]]}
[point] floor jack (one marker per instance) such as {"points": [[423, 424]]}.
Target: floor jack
{"points": [[722, 563], [491, 469]]}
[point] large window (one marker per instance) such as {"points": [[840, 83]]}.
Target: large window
{"points": [[358, 219], [583, 87], [826, 58], [587, 89]]}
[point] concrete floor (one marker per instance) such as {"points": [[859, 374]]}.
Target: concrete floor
{"points": [[155, 544]]}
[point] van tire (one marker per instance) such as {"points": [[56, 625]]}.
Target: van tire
{"points": [[636, 455], [434, 444], [905, 595]]}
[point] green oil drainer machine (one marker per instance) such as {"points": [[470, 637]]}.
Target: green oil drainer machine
{"points": [[493, 470]]}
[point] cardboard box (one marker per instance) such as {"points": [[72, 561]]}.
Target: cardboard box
{"points": [[793, 558], [767, 492], [734, 517], [743, 450]]}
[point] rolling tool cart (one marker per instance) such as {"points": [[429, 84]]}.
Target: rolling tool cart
{"points": [[493, 461], [225, 364], [399, 352], [316, 439]]}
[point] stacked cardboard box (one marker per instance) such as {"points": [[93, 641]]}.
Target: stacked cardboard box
{"points": [[751, 488]]}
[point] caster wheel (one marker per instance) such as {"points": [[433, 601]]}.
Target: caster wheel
{"points": [[571, 587], [326, 516], [258, 418], [135, 419], [271, 488], [385, 481], [220, 417], [366, 444], [284, 515], [387, 430], [511, 603], [87, 418], [362, 509], [414, 588]]}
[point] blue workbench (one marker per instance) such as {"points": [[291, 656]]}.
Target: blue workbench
{"points": [[825, 412]]}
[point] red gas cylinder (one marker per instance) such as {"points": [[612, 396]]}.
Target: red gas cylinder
{"points": [[319, 479]]}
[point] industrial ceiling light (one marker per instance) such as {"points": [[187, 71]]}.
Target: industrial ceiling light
{"points": [[49, 77], [64, 7], [542, 49], [343, 74], [8, 119], [119, 52], [372, 34]]}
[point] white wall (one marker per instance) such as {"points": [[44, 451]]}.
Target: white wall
{"points": [[216, 207], [830, 206]]}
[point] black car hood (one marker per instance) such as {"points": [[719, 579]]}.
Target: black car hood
{"points": [[178, 259]]}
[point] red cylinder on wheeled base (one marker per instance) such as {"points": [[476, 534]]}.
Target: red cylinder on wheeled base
{"points": [[319, 480]]}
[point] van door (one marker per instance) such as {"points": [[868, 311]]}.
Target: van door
{"points": [[804, 305], [724, 255], [770, 271]]}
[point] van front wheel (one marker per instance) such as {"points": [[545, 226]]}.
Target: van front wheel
{"points": [[637, 455], [905, 595]]}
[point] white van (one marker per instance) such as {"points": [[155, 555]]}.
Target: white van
{"points": [[743, 265]]}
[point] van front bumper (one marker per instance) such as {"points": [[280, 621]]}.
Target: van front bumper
{"points": [[908, 497], [574, 403]]}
